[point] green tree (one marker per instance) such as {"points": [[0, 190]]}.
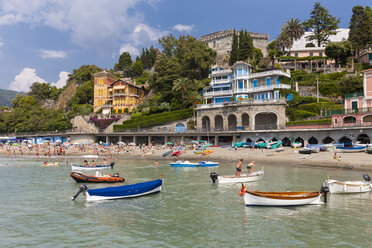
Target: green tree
{"points": [[283, 41], [257, 56], [84, 94], [84, 73], [193, 96], [339, 51], [360, 30], [41, 91], [245, 46], [181, 85], [234, 54], [368, 11], [169, 44], [137, 68], [124, 63], [321, 23], [351, 84], [294, 28]]}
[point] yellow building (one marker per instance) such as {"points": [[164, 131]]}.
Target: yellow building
{"points": [[114, 96]]}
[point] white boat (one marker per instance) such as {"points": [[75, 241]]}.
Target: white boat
{"points": [[88, 168], [337, 187], [244, 178]]}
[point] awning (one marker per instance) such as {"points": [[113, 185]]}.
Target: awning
{"points": [[221, 86]]}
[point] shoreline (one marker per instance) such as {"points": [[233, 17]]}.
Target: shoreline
{"points": [[288, 157]]}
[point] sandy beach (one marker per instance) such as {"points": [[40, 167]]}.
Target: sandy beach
{"points": [[288, 156]]}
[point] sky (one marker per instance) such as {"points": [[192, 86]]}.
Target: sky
{"points": [[44, 40]]}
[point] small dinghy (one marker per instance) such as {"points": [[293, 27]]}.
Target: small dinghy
{"points": [[351, 149], [90, 168], [167, 153], [283, 199], [337, 187], [244, 178], [176, 154], [194, 164], [50, 164], [98, 178], [305, 151], [120, 192]]}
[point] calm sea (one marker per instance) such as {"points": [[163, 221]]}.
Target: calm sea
{"points": [[36, 211]]}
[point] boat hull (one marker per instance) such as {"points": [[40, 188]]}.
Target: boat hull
{"points": [[348, 187], [82, 178], [126, 191], [302, 198], [83, 168], [190, 164], [350, 149], [245, 178]]}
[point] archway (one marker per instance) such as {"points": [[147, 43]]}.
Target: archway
{"points": [[312, 141], [248, 140], [345, 140], [265, 121], [286, 142], [274, 139], [232, 122], [367, 118], [364, 139], [180, 128], [328, 140], [206, 123], [245, 120], [349, 119], [299, 140], [261, 140], [218, 122]]}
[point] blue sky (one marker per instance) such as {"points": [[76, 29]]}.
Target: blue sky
{"points": [[44, 40]]}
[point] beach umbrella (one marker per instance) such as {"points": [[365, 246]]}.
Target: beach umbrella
{"points": [[132, 144], [201, 141], [194, 141], [47, 141], [121, 143], [15, 144], [169, 143], [107, 144]]}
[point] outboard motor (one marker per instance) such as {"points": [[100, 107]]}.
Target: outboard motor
{"points": [[214, 176], [82, 188], [366, 177], [324, 191], [115, 175], [112, 165]]}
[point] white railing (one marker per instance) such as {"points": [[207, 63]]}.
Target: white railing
{"points": [[223, 81], [263, 88], [270, 73], [218, 93], [221, 72], [243, 102]]}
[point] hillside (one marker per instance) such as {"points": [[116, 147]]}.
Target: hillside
{"points": [[6, 97]]}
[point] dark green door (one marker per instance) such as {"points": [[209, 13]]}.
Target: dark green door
{"points": [[354, 107]]}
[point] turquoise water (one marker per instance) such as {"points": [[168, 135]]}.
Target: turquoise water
{"points": [[36, 211]]}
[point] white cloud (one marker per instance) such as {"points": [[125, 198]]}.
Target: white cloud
{"points": [[25, 79], [132, 50], [52, 54], [183, 28], [28, 76], [63, 76]]}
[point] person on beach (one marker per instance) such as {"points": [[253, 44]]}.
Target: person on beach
{"points": [[239, 168], [94, 163], [251, 167], [104, 162], [156, 163]]}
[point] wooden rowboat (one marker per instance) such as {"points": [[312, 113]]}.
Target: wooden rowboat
{"points": [[98, 167], [120, 192], [283, 199], [337, 187], [98, 178], [244, 178]]}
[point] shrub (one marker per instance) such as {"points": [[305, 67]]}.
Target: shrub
{"points": [[126, 110], [296, 114], [309, 122], [315, 107], [103, 123]]}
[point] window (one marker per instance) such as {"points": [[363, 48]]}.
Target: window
{"points": [[320, 54], [240, 84], [276, 94], [277, 80], [289, 54], [255, 83], [311, 54], [336, 121], [268, 81], [296, 55]]}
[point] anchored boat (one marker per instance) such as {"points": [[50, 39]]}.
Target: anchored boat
{"points": [[194, 164], [244, 178], [283, 199], [98, 178], [92, 168], [120, 192], [350, 186]]}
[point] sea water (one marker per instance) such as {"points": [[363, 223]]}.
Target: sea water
{"points": [[190, 211]]}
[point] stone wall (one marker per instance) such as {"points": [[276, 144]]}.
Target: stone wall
{"points": [[80, 123]]}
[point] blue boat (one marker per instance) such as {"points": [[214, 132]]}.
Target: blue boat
{"points": [[351, 149], [194, 164], [120, 192]]}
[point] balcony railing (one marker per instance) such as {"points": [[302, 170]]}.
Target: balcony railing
{"points": [[346, 111], [221, 72], [243, 102], [218, 93], [264, 88], [354, 95], [222, 81]]}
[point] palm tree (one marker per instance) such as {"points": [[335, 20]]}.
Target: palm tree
{"points": [[181, 85], [283, 41], [193, 95], [294, 28]]}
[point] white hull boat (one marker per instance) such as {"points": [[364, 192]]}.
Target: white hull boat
{"points": [[244, 178], [337, 187], [87, 168], [281, 199]]}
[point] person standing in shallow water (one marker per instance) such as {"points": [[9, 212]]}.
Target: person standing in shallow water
{"points": [[156, 163], [239, 168]]}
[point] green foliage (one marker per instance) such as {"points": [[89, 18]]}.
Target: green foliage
{"points": [[316, 106], [84, 73], [309, 122], [148, 57], [84, 94], [360, 28], [308, 58], [351, 84], [310, 44], [293, 28], [272, 50], [283, 41], [368, 11], [136, 68], [297, 114], [245, 46], [124, 64], [234, 54], [44, 91], [339, 51], [321, 23], [330, 89], [257, 56], [82, 109], [153, 120]]}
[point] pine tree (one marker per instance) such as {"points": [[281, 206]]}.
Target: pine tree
{"points": [[245, 46], [368, 11], [234, 54], [360, 30]]}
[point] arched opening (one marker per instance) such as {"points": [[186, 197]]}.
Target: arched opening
{"points": [[218, 122], [364, 139], [299, 140], [248, 140], [245, 120], [206, 123], [261, 140], [328, 140], [286, 142], [345, 140], [367, 118], [312, 141], [180, 128], [232, 122], [274, 139], [349, 119], [265, 121]]}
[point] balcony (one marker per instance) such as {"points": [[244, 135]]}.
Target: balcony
{"points": [[354, 95], [222, 81], [244, 102], [221, 72], [218, 93], [269, 73], [263, 88], [119, 94]]}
